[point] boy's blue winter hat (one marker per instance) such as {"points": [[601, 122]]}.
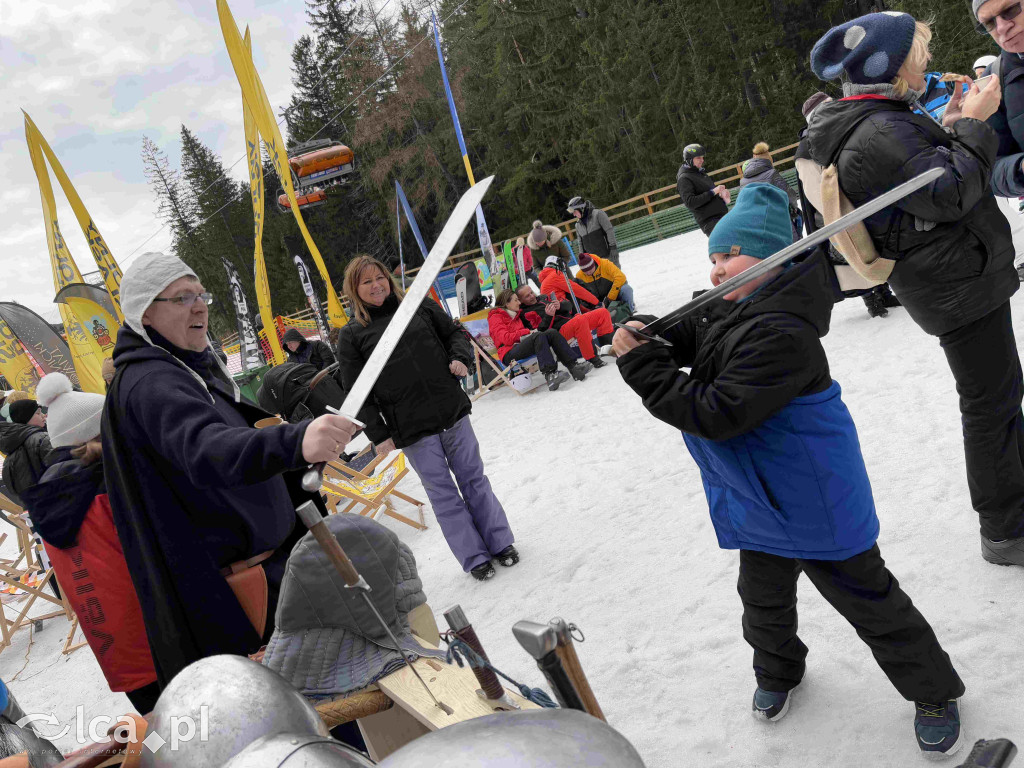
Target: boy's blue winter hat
{"points": [[758, 225], [865, 51]]}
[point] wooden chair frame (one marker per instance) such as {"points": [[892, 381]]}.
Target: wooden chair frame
{"points": [[339, 487]]}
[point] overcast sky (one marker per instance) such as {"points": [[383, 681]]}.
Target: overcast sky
{"points": [[95, 76]]}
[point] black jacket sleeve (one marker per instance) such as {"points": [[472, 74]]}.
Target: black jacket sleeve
{"points": [[350, 365], [321, 355], [764, 373], [967, 166], [689, 195], [451, 334]]}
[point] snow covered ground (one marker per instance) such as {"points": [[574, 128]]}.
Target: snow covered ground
{"points": [[614, 532]]}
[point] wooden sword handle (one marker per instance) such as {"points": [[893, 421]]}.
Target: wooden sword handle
{"points": [[310, 515], [571, 663]]}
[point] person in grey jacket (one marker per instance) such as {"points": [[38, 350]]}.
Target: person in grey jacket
{"points": [[595, 230], [760, 168]]}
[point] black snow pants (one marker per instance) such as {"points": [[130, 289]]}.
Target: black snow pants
{"points": [[546, 345], [983, 358], [868, 596], [708, 225]]}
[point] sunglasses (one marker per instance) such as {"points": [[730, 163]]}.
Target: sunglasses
{"points": [[188, 299], [985, 27]]}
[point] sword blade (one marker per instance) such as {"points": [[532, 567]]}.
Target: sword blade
{"points": [[792, 251]]}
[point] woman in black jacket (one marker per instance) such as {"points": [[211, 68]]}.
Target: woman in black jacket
{"points": [[418, 405], [951, 244]]}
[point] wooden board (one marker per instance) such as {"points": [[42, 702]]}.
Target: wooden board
{"points": [[455, 686]]}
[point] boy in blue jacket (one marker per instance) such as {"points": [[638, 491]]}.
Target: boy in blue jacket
{"points": [[782, 468]]}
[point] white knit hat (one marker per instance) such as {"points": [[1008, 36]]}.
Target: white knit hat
{"points": [[146, 279], [73, 417]]}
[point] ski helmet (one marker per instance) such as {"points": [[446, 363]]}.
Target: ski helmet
{"points": [[691, 151], [984, 61], [576, 204]]}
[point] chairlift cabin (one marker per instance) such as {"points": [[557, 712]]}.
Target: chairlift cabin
{"points": [[320, 163], [310, 198]]}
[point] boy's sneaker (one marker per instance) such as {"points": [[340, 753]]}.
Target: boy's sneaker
{"points": [[508, 557], [770, 705], [554, 378], [1003, 552], [483, 572], [938, 728], [580, 370]]}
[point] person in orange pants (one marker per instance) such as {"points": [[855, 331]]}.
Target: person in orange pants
{"points": [[561, 316]]}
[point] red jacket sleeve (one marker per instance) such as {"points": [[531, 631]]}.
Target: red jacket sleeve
{"points": [[505, 332]]}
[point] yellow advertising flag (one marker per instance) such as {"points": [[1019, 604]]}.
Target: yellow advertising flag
{"points": [[85, 352], [14, 363], [94, 309], [109, 268], [252, 151], [256, 97]]}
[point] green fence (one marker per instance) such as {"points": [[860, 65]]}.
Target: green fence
{"points": [[665, 223]]}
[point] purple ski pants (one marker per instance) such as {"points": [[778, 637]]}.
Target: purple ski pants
{"points": [[473, 523]]}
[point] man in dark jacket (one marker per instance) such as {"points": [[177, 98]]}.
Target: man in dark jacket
{"points": [[300, 350], [698, 192], [195, 490], [1003, 20], [951, 246], [594, 229], [25, 444]]}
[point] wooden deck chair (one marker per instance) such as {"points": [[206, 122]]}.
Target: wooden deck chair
{"points": [[371, 497], [484, 352], [335, 468]]}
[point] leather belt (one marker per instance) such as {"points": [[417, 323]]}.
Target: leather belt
{"points": [[241, 565]]}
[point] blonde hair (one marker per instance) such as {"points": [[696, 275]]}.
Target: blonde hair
{"points": [[917, 59], [761, 149], [354, 273], [16, 395]]}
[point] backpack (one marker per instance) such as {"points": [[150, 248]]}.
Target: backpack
{"points": [[854, 242]]}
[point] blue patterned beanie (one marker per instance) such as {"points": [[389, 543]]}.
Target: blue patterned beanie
{"points": [[865, 51]]}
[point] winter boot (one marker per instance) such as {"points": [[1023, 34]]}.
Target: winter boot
{"points": [[607, 351], [483, 572], [597, 362], [938, 728], [874, 304], [554, 378], [508, 556], [605, 340], [889, 299], [580, 370], [770, 705], [1003, 551], [1020, 272]]}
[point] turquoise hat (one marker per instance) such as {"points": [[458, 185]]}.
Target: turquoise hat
{"points": [[758, 225]]}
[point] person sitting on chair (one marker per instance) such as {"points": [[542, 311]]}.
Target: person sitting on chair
{"points": [[563, 318], [516, 340], [605, 280], [301, 350]]}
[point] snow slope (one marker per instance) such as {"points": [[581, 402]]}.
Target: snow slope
{"points": [[614, 532]]}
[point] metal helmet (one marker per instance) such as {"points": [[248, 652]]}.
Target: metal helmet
{"points": [[544, 738], [576, 204], [294, 750], [691, 151], [229, 702], [984, 61]]}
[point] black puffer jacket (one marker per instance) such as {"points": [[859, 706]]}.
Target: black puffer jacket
{"points": [[694, 187], [416, 395], [747, 360], [951, 243], [315, 353], [25, 448]]}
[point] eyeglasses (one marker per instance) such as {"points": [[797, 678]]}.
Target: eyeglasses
{"points": [[985, 27], [188, 299]]}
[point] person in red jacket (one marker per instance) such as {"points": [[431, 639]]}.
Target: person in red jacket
{"points": [[592, 317], [72, 515], [516, 340]]}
